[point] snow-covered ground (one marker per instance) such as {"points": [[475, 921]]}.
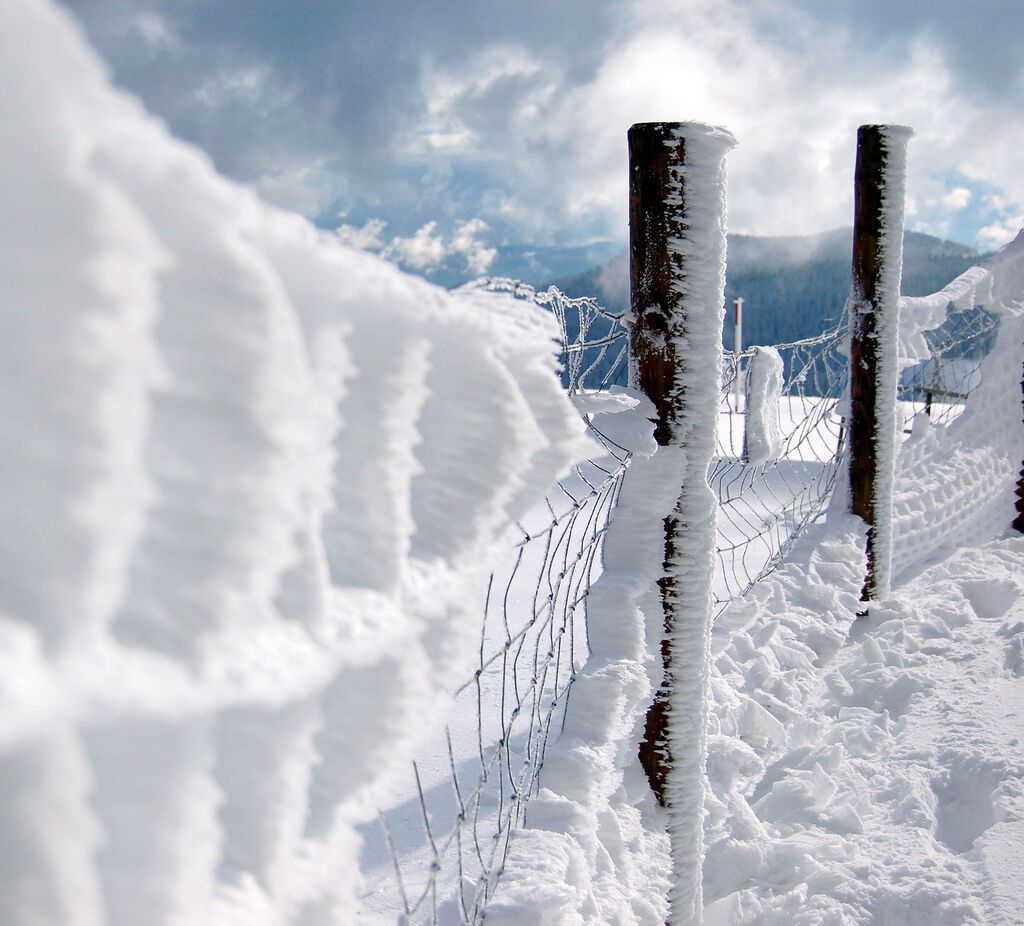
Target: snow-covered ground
{"points": [[872, 770]]}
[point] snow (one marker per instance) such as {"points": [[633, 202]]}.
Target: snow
{"points": [[762, 438], [252, 481], [253, 484], [890, 787]]}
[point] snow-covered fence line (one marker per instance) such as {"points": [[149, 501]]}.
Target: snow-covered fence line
{"points": [[439, 846], [778, 456]]}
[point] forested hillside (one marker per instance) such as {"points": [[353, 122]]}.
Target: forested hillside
{"points": [[792, 286]]}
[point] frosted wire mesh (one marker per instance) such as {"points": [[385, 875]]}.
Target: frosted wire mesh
{"points": [[763, 507], [447, 842], [939, 386]]}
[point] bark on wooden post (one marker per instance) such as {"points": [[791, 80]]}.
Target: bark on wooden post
{"points": [[677, 263], [1018, 522], [874, 329]]}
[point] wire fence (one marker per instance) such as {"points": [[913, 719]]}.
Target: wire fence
{"points": [[446, 844], [937, 387], [765, 504]]}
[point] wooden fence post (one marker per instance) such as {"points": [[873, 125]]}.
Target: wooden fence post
{"points": [[1018, 522], [677, 261], [874, 329]]}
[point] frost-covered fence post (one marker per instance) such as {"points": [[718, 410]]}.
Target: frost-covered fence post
{"points": [[737, 349], [873, 306], [1018, 522], [677, 282]]}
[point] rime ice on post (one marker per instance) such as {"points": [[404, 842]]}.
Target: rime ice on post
{"points": [[873, 307], [677, 270], [762, 433]]}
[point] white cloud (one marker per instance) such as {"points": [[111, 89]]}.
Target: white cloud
{"points": [[528, 131], [994, 236], [958, 198], [426, 249], [455, 97], [792, 93], [423, 251], [794, 110], [253, 85], [366, 237], [466, 241], [155, 32]]}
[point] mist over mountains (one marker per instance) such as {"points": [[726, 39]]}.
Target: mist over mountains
{"points": [[793, 287]]}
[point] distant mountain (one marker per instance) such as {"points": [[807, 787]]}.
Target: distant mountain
{"points": [[533, 264], [792, 287]]}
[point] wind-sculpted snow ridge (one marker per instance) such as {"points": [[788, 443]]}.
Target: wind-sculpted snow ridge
{"points": [[251, 481]]}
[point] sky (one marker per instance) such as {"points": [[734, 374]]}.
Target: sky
{"points": [[428, 129]]}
